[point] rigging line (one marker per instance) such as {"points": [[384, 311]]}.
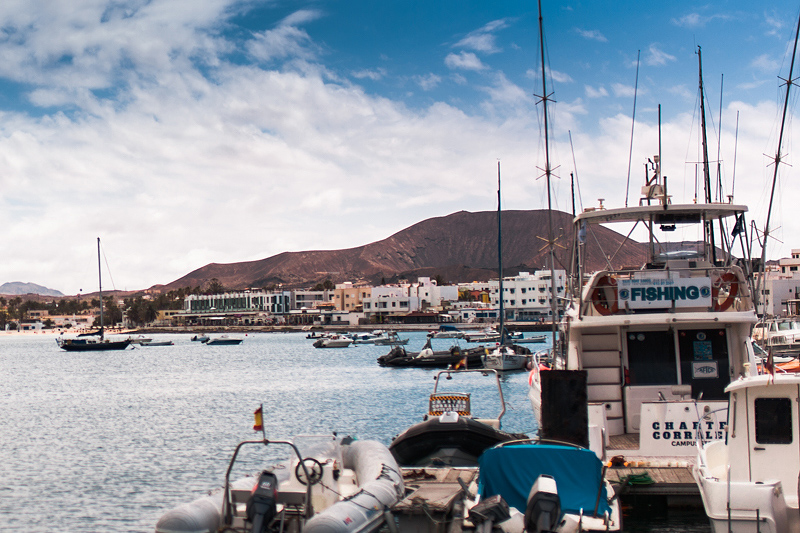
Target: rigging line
{"points": [[633, 122], [735, 150], [575, 167], [719, 143], [777, 159], [108, 269]]}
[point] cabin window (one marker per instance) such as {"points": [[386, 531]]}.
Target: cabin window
{"points": [[651, 358], [773, 421]]}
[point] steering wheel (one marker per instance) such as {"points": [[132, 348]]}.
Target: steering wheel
{"points": [[314, 468]]}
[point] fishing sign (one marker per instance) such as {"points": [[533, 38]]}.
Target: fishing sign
{"points": [[664, 293]]}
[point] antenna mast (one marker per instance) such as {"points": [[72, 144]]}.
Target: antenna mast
{"points": [[548, 173]]}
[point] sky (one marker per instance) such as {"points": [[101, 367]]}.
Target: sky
{"points": [[183, 133]]}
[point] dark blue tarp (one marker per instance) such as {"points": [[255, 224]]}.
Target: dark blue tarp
{"points": [[510, 471]]}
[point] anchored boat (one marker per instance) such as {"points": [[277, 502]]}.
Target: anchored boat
{"points": [[449, 434], [330, 485]]}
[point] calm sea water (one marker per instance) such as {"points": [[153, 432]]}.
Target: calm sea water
{"points": [[110, 441]]}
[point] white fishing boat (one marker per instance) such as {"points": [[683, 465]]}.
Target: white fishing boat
{"points": [[749, 481], [222, 340], [329, 485]]}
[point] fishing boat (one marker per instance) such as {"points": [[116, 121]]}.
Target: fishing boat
{"points": [[654, 337], [430, 358], [748, 481], [222, 340], [449, 434], [95, 341], [329, 485], [333, 341]]}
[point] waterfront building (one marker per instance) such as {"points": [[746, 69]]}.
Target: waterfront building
{"points": [[401, 299], [245, 308], [348, 297], [303, 299], [528, 297]]}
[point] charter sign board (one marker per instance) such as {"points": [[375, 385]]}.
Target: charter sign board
{"points": [[663, 293]]}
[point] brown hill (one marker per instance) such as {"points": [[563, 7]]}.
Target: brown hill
{"points": [[458, 247]]}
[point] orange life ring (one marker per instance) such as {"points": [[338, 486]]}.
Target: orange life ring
{"points": [[602, 303], [730, 280]]}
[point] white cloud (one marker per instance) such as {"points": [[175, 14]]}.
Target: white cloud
{"points": [[464, 61], [656, 57], [598, 92], [483, 39], [374, 75], [592, 35], [428, 82]]}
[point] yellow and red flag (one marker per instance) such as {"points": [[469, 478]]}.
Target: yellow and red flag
{"points": [[259, 419]]}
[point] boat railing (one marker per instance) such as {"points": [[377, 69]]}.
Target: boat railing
{"points": [[671, 288]]}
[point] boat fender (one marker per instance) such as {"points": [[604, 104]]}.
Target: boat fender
{"points": [[380, 488]]}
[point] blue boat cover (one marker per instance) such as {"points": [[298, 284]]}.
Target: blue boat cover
{"points": [[511, 471]]}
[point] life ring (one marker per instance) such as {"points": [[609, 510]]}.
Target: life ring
{"points": [[605, 305], [729, 280]]}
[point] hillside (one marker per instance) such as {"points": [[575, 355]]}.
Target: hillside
{"points": [[458, 247]]}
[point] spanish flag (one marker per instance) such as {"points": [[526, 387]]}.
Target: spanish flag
{"points": [[462, 362], [259, 421]]}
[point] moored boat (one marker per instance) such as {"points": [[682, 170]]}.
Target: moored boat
{"points": [[748, 482], [391, 339], [222, 341], [333, 341], [430, 358], [506, 357], [329, 485], [449, 434]]}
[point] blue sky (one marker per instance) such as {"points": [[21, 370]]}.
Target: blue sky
{"points": [[184, 133]]}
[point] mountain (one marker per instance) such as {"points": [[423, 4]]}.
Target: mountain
{"points": [[460, 247], [15, 288]]}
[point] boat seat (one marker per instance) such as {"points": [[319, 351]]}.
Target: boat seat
{"points": [[291, 497], [492, 422]]}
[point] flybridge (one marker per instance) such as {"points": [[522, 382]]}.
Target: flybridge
{"points": [[660, 293]]}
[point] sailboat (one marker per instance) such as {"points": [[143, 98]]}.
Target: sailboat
{"points": [[96, 340], [504, 356]]}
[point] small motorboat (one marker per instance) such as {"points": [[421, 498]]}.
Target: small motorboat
{"points": [[390, 339], [506, 357], [449, 435], [333, 341], [554, 487], [329, 485], [448, 332], [140, 339], [156, 343], [200, 338], [223, 340]]}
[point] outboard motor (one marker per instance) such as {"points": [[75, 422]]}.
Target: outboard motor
{"points": [[544, 506], [261, 507]]}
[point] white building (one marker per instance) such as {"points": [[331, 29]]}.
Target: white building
{"points": [[780, 294], [528, 296], [408, 298]]}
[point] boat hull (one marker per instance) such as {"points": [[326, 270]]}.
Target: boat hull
{"points": [[81, 346], [452, 443]]}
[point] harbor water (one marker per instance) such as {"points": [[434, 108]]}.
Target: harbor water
{"points": [[108, 441]]}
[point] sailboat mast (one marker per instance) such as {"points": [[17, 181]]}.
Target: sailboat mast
{"points": [[548, 173], [709, 226], [100, 286], [500, 258], [777, 160]]}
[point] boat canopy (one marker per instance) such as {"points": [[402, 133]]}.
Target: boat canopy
{"points": [[511, 471], [665, 214]]}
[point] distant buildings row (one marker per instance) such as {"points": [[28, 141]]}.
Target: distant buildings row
{"points": [[526, 297]]}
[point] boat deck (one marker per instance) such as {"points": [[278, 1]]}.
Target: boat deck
{"points": [[433, 499]]}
